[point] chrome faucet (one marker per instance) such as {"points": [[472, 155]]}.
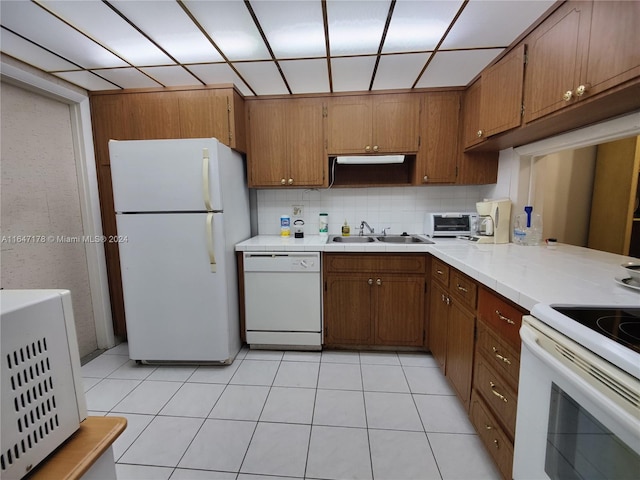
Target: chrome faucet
{"points": [[384, 231], [362, 225]]}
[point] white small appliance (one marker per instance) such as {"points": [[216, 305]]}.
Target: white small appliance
{"points": [[450, 224], [494, 217], [43, 398], [181, 206]]}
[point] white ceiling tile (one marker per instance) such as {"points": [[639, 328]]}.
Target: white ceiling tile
{"points": [[171, 76], [456, 68], [46, 30], [172, 29], [355, 27], [87, 80], [306, 76], [352, 73], [128, 78], [293, 29], [490, 23], [108, 28], [263, 77], [399, 71], [419, 25], [29, 53], [230, 25], [216, 73]]}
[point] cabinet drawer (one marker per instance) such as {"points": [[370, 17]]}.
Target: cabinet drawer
{"points": [[491, 434], [502, 317], [440, 271], [464, 289], [387, 263], [504, 359], [497, 394]]}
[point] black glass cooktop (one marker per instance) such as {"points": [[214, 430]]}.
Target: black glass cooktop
{"points": [[619, 324]]}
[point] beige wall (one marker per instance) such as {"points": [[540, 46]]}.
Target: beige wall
{"points": [[39, 196]]}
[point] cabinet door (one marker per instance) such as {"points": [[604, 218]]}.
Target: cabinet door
{"points": [[501, 102], [439, 150], [153, 115], [306, 142], [396, 123], [472, 134], [349, 120], [438, 320], [556, 51], [614, 54], [460, 340], [267, 159], [204, 114], [399, 310], [347, 310]]}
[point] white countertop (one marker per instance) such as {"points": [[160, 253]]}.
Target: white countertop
{"points": [[527, 275]]}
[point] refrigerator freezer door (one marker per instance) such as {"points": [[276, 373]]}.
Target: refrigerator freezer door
{"points": [[176, 308], [167, 175]]}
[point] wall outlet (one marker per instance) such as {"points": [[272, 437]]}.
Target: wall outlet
{"points": [[297, 210]]}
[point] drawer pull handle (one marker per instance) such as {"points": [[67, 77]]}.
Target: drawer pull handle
{"points": [[439, 272], [500, 357], [506, 319], [488, 427], [497, 394], [461, 288], [496, 443]]}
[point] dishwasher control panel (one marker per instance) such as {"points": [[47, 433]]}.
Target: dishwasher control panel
{"points": [[281, 262]]}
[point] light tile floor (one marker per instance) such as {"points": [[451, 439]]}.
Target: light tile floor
{"points": [[330, 415]]}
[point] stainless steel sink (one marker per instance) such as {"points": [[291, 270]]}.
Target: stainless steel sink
{"points": [[353, 239], [402, 239]]}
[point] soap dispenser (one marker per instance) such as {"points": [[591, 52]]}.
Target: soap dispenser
{"points": [[346, 230]]}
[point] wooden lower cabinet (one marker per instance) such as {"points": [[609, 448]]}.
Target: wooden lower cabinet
{"points": [[438, 313], [374, 300], [460, 338]]}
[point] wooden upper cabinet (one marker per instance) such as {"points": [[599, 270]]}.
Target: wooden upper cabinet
{"points": [[286, 143], [501, 99], [153, 115], [373, 124], [438, 154], [471, 132]]}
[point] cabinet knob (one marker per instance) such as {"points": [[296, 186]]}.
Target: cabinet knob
{"points": [[378, 282], [290, 181], [367, 148], [480, 133], [568, 95], [496, 443], [581, 90], [425, 178], [283, 181], [375, 148], [488, 427], [370, 281]]}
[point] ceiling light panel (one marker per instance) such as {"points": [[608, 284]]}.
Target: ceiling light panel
{"points": [[171, 76], [108, 28], [355, 27], [32, 54], [352, 73], [489, 23], [399, 71], [263, 77], [217, 73], [419, 25], [128, 78], [306, 76], [172, 29], [44, 29], [293, 29], [87, 80], [231, 27], [456, 68]]}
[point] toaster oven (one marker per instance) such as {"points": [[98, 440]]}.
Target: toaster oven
{"points": [[450, 224]]}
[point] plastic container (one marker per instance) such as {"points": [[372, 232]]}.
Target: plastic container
{"points": [[285, 225], [323, 224], [527, 235]]}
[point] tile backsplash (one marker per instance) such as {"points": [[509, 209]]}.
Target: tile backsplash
{"points": [[401, 209]]}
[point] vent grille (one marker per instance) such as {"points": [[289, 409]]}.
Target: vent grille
{"points": [[34, 400]]}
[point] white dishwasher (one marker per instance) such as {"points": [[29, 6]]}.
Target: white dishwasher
{"points": [[283, 300]]}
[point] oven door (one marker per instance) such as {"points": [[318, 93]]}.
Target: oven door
{"points": [[578, 415]]}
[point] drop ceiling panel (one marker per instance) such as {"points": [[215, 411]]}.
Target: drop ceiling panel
{"points": [[355, 27], [456, 68], [352, 73], [172, 29], [399, 71], [230, 25], [87, 80], [263, 77], [490, 23], [26, 51], [293, 29], [216, 73], [171, 76], [104, 25], [44, 29], [306, 76], [419, 26], [128, 78]]}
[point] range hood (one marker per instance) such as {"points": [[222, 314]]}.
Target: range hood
{"points": [[370, 159]]}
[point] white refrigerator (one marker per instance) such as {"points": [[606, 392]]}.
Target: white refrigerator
{"points": [[181, 206]]}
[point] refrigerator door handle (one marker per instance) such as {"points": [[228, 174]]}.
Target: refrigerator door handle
{"points": [[210, 246], [206, 192]]}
